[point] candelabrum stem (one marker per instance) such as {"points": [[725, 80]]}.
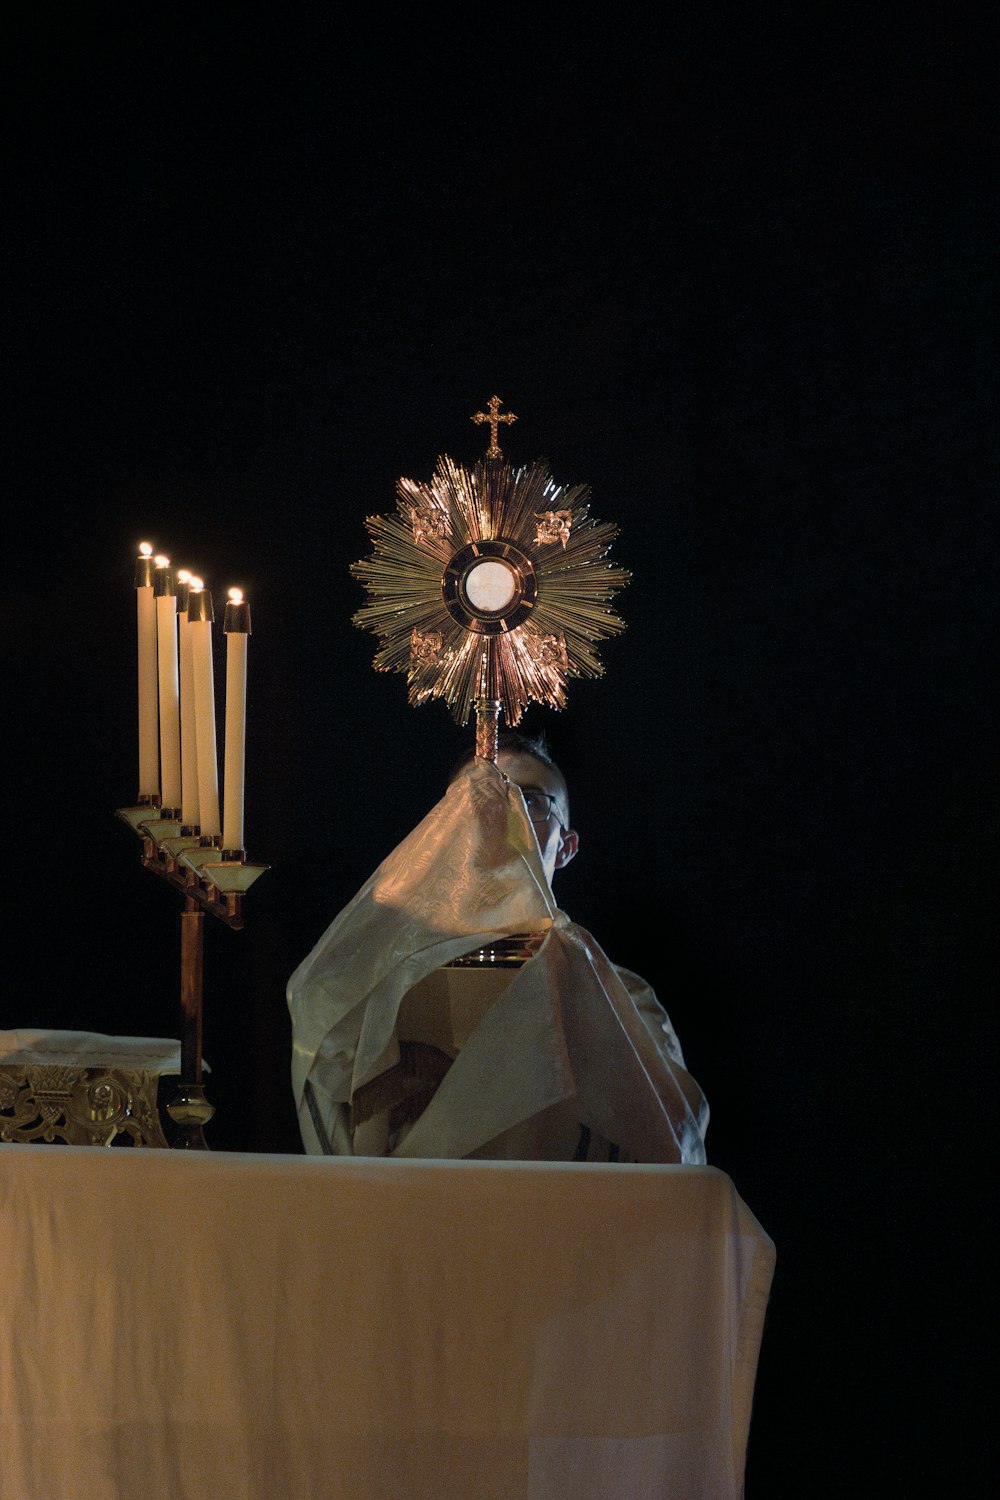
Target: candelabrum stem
{"points": [[190, 1110], [192, 968]]}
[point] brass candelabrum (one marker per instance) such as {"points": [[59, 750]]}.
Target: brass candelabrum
{"points": [[210, 879]]}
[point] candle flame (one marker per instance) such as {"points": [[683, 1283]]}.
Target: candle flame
{"points": [[197, 583], [145, 549], [184, 576], [236, 595], [161, 561]]}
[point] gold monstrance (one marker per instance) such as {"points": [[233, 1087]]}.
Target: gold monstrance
{"points": [[489, 587]]}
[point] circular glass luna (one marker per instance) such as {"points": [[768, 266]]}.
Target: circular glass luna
{"points": [[489, 587]]}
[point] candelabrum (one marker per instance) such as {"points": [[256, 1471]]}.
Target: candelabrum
{"points": [[211, 879]]}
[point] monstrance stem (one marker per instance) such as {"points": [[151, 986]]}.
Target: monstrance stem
{"points": [[487, 707]]}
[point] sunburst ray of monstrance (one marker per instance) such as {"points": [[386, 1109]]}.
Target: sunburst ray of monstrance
{"points": [[489, 587]]}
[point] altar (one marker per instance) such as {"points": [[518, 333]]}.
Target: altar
{"points": [[234, 1327]]}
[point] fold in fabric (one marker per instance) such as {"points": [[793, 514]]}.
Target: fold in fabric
{"points": [[571, 1044]]}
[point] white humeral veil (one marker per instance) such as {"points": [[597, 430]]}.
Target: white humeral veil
{"points": [[570, 1031]]}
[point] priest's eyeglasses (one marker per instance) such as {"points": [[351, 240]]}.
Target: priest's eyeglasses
{"points": [[540, 805]]}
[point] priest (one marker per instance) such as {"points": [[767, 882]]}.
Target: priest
{"points": [[453, 1010]]}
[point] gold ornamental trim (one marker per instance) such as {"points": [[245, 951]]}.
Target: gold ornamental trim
{"points": [[79, 1106]]}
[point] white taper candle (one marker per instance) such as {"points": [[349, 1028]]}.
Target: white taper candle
{"points": [[237, 630], [166, 664], [189, 752], [200, 617], [145, 607]]}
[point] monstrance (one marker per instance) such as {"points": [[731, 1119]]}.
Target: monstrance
{"points": [[489, 587]]}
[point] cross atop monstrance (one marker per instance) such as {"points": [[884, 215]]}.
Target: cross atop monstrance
{"points": [[494, 417]]}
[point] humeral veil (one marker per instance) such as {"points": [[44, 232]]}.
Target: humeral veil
{"points": [[398, 1052]]}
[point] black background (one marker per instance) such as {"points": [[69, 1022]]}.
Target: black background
{"points": [[736, 272]]}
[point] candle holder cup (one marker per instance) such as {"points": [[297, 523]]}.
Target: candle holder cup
{"points": [[185, 840], [147, 805], [198, 854], [167, 825], [233, 876]]}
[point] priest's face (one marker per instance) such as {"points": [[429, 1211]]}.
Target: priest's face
{"points": [[556, 840]]}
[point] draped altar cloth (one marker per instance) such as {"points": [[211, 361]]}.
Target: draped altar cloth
{"points": [[188, 1326], [89, 1049], [565, 1033]]}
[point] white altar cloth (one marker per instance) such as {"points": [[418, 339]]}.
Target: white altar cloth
{"points": [[187, 1326]]}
